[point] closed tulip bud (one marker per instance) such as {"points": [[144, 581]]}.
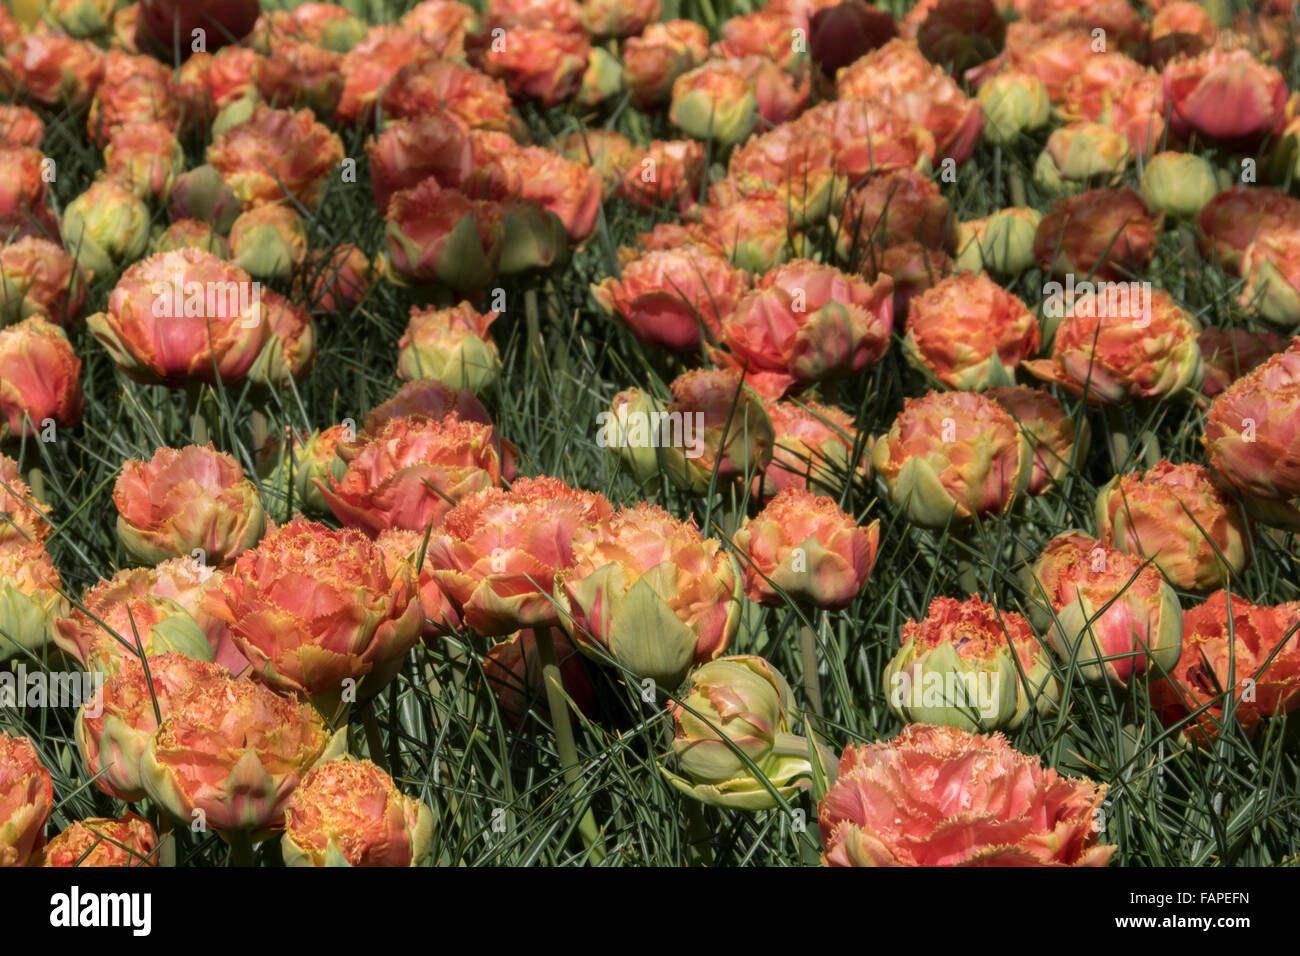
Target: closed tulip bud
{"points": [[714, 102], [950, 456], [1271, 267], [665, 297], [1079, 154], [443, 236], [40, 379], [971, 666], [513, 669], [31, 599], [802, 547], [1103, 233], [1001, 243], [22, 518], [275, 155], [497, 553], [350, 813], [1228, 97], [1014, 103], [1252, 430], [1051, 432], [412, 472], [38, 277], [106, 225], [194, 498], [1231, 647], [631, 428], [165, 23], [1117, 350], [191, 234], [300, 465], [602, 80], [970, 333], [202, 194], [268, 242], [664, 51], [937, 796], [739, 705], [26, 799], [1175, 516], [236, 751], [183, 315], [104, 841], [451, 346], [651, 592], [1178, 184], [729, 437], [146, 158], [534, 239], [1140, 629], [813, 448], [122, 617]]}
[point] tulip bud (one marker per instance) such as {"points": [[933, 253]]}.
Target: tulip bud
{"points": [[146, 158], [841, 34], [1178, 184], [104, 841], [1013, 103], [348, 812], [202, 194], [268, 242], [1002, 243], [162, 22], [1079, 153], [441, 235], [38, 277], [191, 234], [451, 346], [602, 80], [534, 239], [725, 431], [106, 225], [743, 704], [714, 102], [961, 34], [40, 379], [26, 799]]}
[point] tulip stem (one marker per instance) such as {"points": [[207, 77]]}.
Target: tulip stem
{"points": [[198, 424], [1017, 184], [241, 847], [564, 742], [699, 838], [374, 741], [812, 682], [1117, 435], [36, 482]]}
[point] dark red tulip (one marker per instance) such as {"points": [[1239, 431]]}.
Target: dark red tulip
{"points": [[845, 33]]}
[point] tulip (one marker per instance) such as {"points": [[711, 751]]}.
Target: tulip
{"points": [[543, 64], [913, 267], [665, 297], [807, 323], [1097, 233], [1228, 354], [55, 70], [950, 456], [22, 518], [724, 431], [619, 18], [24, 187], [813, 448], [191, 234], [301, 464], [1013, 103], [31, 598], [210, 82], [369, 67], [1080, 153], [189, 584], [1236, 217], [290, 350], [740, 705], [122, 618], [971, 666], [1109, 612], [422, 400], [104, 841], [440, 235], [174, 316], [962, 33], [187, 499], [767, 33], [714, 102], [40, 378], [163, 21], [545, 179], [107, 225], [335, 279], [323, 24], [649, 591], [941, 796], [609, 152], [426, 85], [803, 547], [561, 15], [136, 89], [235, 751], [602, 80], [350, 813], [865, 138], [1252, 431], [412, 472], [300, 74], [276, 154], [112, 740], [1051, 432], [666, 174], [781, 95], [755, 234], [1225, 96], [1271, 267], [513, 669], [1175, 516], [146, 158], [20, 126], [664, 51], [1002, 243], [632, 427], [26, 799], [451, 346], [268, 242], [409, 151], [842, 34], [1178, 184], [202, 194], [970, 333], [1115, 351], [897, 205], [1231, 646], [497, 553]]}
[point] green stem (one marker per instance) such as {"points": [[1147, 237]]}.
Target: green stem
{"points": [[812, 682], [1118, 439], [241, 847], [166, 841], [374, 740], [699, 838], [564, 742], [36, 482], [1017, 184], [198, 424]]}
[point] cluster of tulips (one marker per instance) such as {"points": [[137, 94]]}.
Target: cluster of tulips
{"points": [[806, 232]]}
